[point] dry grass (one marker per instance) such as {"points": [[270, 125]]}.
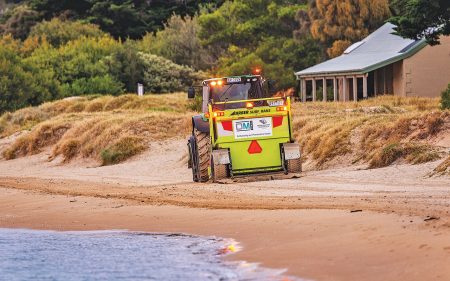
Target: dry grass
{"points": [[27, 118], [109, 129], [103, 135], [378, 131], [122, 149], [443, 168], [45, 134], [414, 153], [96, 135]]}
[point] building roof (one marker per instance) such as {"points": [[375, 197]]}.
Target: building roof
{"points": [[379, 49]]}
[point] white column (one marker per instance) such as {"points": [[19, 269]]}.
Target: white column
{"points": [[345, 88], [303, 86], [355, 89], [324, 89], [314, 89], [375, 82], [365, 86], [334, 88]]}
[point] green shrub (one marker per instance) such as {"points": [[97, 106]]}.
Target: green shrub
{"points": [[162, 75], [178, 42], [196, 104], [387, 155], [80, 65], [97, 84], [58, 32], [126, 66], [445, 98], [123, 149], [22, 83]]}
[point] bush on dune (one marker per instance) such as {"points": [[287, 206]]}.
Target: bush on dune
{"points": [[376, 131], [45, 134], [123, 149], [107, 138], [112, 139], [414, 153]]}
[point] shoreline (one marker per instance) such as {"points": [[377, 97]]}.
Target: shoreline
{"points": [[310, 244]]}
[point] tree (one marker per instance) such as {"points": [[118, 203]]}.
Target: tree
{"points": [[279, 59], [245, 23], [58, 32], [245, 34], [126, 66], [162, 76], [121, 18], [57, 8], [179, 42], [19, 21], [417, 19], [22, 83], [159, 11], [345, 21], [80, 65]]}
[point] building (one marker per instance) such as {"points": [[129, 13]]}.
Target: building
{"points": [[381, 64]]}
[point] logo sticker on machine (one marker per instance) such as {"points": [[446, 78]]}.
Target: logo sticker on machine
{"points": [[251, 128]]}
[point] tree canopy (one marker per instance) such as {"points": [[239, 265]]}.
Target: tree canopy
{"points": [[121, 18], [59, 48], [338, 24], [258, 33], [418, 19]]}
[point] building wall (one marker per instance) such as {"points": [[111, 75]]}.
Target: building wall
{"points": [[427, 73], [398, 79]]}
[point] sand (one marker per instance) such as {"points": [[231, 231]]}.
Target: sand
{"points": [[340, 224]]}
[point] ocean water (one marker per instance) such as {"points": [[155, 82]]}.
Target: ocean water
{"points": [[121, 255]]}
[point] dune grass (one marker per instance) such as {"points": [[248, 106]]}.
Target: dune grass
{"points": [[27, 118], [377, 132], [443, 168], [109, 129]]}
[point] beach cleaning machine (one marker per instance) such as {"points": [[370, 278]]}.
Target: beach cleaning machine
{"points": [[241, 130]]}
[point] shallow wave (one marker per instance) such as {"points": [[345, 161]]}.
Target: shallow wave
{"points": [[122, 255]]}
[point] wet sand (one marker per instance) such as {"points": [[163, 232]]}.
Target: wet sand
{"points": [[342, 224], [312, 244]]}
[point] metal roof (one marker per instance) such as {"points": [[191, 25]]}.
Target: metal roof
{"points": [[379, 49]]}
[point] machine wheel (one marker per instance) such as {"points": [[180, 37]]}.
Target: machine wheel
{"points": [[191, 161], [218, 172], [201, 156], [294, 165]]}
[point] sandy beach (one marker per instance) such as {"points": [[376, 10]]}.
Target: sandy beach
{"points": [[225, 140], [342, 224]]}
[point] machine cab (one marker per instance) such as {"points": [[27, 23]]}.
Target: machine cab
{"points": [[230, 89]]}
